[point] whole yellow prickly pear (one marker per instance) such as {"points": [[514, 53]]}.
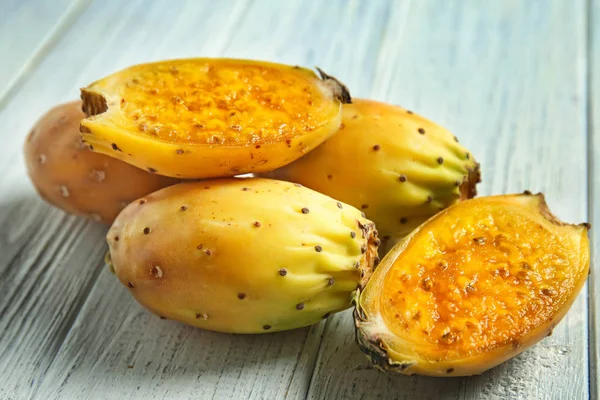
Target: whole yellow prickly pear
{"points": [[399, 168], [242, 255]]}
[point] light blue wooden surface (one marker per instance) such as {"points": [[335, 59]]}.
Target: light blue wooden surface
{"points": [[515, 80]]}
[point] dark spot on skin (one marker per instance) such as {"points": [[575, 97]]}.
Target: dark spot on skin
{"points": [[455, 139], [142, 201], [468, 156], [288, 142], [183, 208], [318, 249], [340, 205], [409, 112], [256, 224], [342, 126], [116, 238], [206, 187], [257, 146], [421, 131], [516, 344], [305, 210], [330, 177], [267, 327], [152, 170], [429, 199], [300, 306], [115, 147], [146, 231], [245, 189], [199, 247], [208, 252], [440, 160], [179, 151], [91, 147], [330, 282], [527, 193], [450, 370], [376, 147], [403, 220], [479, 240], [357, 265], [130, 285], [326, 315], [353, 235], [402, 178], [282, 272], [241, 296], [363, 249]]}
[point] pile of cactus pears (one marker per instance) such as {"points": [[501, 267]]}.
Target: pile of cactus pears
{"points": [[254, 197]]}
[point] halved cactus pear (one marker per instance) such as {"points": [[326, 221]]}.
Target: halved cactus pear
{"points": [[69, 176], [399, 168], [472, 287], [207, 118], [242, 255]]}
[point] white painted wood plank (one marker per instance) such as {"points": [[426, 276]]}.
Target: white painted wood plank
{"points": [[112, 331], [594, 190], [509, 79], [28, 30]]}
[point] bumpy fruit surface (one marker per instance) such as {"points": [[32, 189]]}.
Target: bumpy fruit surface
{"points": [[472, 287], [69, 176], [399, 168], [242, 255], [206, 118]]}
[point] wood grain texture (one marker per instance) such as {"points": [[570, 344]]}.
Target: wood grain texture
{"points": [[28, 30], [509, 79], [594, 190]]}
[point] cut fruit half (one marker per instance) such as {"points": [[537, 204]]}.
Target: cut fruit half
{"points": [[472, 287], [202, 118]]}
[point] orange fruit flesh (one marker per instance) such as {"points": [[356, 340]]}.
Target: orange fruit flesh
{"points": [[225, 102], [478, 281]]}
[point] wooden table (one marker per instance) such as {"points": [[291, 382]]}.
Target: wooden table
{"points": [[518, 81]]}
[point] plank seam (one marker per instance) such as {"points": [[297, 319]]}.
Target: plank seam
{"points": [[43, 50], [589, 75]]}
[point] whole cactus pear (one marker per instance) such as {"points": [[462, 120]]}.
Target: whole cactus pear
{"points": [[242, 255], [397, 167], [69, 176]]}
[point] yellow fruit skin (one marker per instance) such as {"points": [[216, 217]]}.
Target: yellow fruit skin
{"points": [[392, 353], [264, 134], [242, 255], [69, 176], [399, 168]]}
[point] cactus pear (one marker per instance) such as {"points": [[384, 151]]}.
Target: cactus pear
{"points": [[472, 287], [206, 118], [242, 255], [69, 176], [399, 168]]}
